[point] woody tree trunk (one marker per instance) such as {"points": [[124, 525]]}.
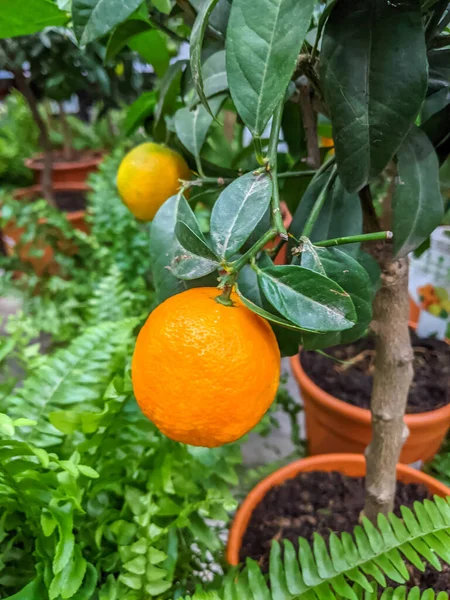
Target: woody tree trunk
{"points": [[44, 139], [392, 376], [68, 151]]}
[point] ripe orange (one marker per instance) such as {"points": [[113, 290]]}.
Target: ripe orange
{"points": [[203, 372], [149, 175]]}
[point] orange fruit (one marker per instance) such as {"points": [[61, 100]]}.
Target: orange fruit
{"points": [[149, 175], [205, 373]]}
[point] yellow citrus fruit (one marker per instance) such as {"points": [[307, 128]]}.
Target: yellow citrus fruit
{"points": [[149, 175], [205, 373]]}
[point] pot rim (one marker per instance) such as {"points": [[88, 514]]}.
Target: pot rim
{"points": [[312, 463], [34, 162], [356, 413]]}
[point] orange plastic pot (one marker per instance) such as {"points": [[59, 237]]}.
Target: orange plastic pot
{"points": [[353, 465], [11, 233], [64, 171], [333, 425]]}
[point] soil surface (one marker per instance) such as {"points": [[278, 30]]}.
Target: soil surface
{"points": [[323, 503], [70, 201], [352, 381]]}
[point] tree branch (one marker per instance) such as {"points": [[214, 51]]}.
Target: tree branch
{"points": [[392, 379], [309, 124], [44, 139]]}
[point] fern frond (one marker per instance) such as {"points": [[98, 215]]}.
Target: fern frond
{"points": [[74, 376], [111, 301], [354, 566]]}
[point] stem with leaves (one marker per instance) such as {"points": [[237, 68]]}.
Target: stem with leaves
{"points": [[277, 219]]}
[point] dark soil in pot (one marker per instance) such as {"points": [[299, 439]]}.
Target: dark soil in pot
{"points": [[70, 200], [351, 380], [324, 502]]}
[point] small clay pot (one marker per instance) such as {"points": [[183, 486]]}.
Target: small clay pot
{"points": [[64, 171], [333, 425], [11, 233], [352, 465]]}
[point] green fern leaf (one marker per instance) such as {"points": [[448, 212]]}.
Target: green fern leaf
{"points": [[73, 377], [355, 567]]}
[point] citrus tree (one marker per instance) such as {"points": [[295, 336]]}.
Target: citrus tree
{"points": [[377, 71], [264, 73]]}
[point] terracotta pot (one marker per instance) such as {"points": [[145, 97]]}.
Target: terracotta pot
{"points": [[11, 233], [353, 465], [76, 171], [333, 425]]}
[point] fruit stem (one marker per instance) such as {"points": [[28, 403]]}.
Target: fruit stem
{"points": [[236, 266], [314, 214], [351, 239]]}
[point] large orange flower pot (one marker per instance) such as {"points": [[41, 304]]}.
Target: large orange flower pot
{"points": [[333, 425], [64, 171], [353, 465], [12, 233]]}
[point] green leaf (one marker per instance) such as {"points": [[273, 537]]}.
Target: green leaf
{"points": [[88, 471], [122, 35], [196, 43], [168, 93], [188, 231], [372, 107], [95, 18], [164, 6], [152, 46], [32, 591], [340, 216], [238, 211], [140, 110], [214, 78], [437, 128], [310, 300], [155, 588], [192, 126], [165, 248], [263, 43], [417, 202], [352, 277], [63, 515], [24, 18]]}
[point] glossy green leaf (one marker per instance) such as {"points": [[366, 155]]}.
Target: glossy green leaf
{"points": [[164, 247], [340, 215], [24, 18], [95, 18], [263, 43], [123, 33], [417, 202], [437, 128], [218, 19], [289, 336], [140, 110], [32, 591], [237, 212], [192, 126], [439, 69], [164, 6], [293, 131], [308, 299], [188, 231], [372, 107], [152, 46], [168, 93], [196, 43], [214, 78], [352, 277]]}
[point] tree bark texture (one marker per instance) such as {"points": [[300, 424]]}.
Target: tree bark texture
{"points": [[44, 139], [309, 124], [392, 379]]}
